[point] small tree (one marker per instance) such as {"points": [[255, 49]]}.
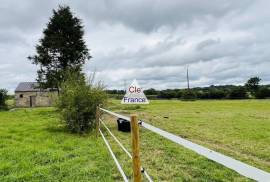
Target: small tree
{"points": [[77, 102], [252, 84], [3, 98], [61, 49]]}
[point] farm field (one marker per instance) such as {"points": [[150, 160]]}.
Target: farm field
{"points": [[237, 128], [34, 146]]}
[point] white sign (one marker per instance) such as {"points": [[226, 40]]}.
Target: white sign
{"points": [[134, 95]]}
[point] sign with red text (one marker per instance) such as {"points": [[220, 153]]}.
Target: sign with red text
{"points": [[134, 95]]}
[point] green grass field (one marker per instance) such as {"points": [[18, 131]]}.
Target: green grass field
{"points": [[240, 129], [34, 146]]}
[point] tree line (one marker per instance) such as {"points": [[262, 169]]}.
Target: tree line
{"points": [[251, 89]]}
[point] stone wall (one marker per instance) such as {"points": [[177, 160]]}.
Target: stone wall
{"points": [[39, 99]]}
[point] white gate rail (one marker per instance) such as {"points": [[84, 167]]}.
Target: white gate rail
{"points": [[238, 166]]}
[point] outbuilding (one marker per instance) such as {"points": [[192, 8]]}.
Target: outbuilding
{"points": [[28, 94]]}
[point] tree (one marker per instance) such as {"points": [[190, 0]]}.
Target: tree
{"points": [[252, 84], [262, 93], [3, 98], [238, 93], [150, 91], [189, 94], [167, 94], [216, 94], [62, 49]]}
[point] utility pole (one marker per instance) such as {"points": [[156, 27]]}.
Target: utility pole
{"points": [[125, 86], [187, 79]]}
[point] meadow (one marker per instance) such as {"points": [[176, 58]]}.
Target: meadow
{"points": [[35, 146], [237, 128]]}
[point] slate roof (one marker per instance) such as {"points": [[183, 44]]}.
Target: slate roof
{"points": [[27, 87]]}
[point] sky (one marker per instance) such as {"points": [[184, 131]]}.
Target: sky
{"points": [[153, 41]]}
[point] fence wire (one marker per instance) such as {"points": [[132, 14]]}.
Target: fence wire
{"points": [[127, 152], [114, 158]]}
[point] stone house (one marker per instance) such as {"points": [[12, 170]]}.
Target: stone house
{"points": [[28, 94]]}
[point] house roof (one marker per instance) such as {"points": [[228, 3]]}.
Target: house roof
{"points": [[27, 87]]}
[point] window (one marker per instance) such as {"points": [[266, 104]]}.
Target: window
{"points": [[21, 95]]}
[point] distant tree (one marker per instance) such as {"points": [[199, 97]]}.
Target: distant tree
{"points": [[252, 84], [167, 94], [163, 95], [202, 94], [3, 98], [188, 94], [111, 91], [150, 91], [216, 94], [262, 93], [179, 94], [238, 93], [61, 49]]}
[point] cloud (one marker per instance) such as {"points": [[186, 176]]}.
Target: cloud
{"points": [[150, 15], [223, 42]]}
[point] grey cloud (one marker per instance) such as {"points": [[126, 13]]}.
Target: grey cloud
{"points": [[150, 15], [223, 41], [26, 16], [206, 43]]}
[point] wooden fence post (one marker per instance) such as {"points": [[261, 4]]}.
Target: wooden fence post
{"points": [[135, 148], [97, 120]]}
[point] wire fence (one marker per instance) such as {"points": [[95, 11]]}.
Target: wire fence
{"points": [[126, 151], [114, 158]]}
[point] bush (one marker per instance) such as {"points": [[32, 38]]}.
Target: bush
{"points": [[262, 93], [238, 93], [3, 98], [77, 102]]}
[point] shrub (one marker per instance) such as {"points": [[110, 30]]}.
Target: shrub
{"points": [[77, 102], [3, 98], [238, 93], [262, 93]]}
